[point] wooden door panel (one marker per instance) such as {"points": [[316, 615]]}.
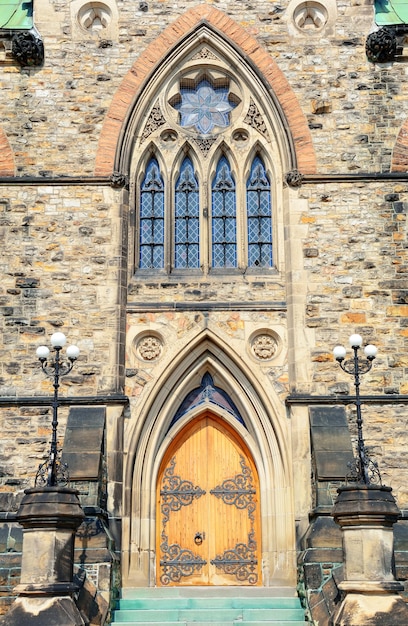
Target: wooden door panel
{"points": [[208, 513]]}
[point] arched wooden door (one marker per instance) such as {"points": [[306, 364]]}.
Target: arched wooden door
{"points": [[208, 517]]}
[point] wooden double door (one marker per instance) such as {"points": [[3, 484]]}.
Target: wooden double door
{"points": [[208, 517]]}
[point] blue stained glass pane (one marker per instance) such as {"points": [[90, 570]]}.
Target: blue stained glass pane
{"points": [[259, 216], [204, 107], [187, 218], [224, 223], [207, 392], [152, 218]]}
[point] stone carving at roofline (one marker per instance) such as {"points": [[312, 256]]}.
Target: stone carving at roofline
{"points": [[28, 49], [381, 45]]}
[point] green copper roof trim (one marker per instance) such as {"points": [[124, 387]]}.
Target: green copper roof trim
{"points": [[16, 14], [389, 12]]}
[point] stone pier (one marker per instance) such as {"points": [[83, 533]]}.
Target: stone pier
{"points": [[366, 515], [50, 517]]}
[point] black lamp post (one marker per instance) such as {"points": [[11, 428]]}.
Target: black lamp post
{"points": [[367, 469], [51, 472]]}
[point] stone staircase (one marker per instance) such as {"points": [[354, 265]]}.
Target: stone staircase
{"points": [[209, 606]]}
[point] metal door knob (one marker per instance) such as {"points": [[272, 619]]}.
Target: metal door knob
{"points": [[199, 538]]}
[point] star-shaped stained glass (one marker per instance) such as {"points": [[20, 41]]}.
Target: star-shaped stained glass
{"points": [[205, 107]]}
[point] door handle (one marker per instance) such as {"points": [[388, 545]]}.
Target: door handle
{"points": [[199, 538]]}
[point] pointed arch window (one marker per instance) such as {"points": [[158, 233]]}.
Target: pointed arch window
{"points": [[187, 218], [259, 216], [224, 218], [204, 203], [152, 218]]}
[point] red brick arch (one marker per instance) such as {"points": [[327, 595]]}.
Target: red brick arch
{"points": [[400, 153], [6, 156], [156, 52]]}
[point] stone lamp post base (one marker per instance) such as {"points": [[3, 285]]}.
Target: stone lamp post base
{"points": [[49, 516], [366, 515], [32, 611], [372, 609]]}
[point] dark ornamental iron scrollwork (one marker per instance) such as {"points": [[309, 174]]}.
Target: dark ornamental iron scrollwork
{"points": [[238, 491], [240, 561], [118, 180], [370, 469], [176, 492], [27, 49], [177, 562], [294, 178], [52, 471], [381, 45]]}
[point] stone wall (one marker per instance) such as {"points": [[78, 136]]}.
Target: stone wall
{"points": [[66, 260]]}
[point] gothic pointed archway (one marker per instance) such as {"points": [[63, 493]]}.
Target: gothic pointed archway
{"points": [[117, 136], [265, 437]]}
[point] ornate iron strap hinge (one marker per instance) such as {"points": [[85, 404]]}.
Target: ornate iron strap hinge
{"points": [[238, 491], [240, 561], [176, 492]]}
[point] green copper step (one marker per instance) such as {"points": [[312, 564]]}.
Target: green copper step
{"points": [[209, 606], [208, 615], [204, 602]]}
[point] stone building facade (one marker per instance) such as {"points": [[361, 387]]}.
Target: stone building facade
{"points": [[241, 345]]}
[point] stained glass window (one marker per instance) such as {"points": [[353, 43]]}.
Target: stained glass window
{"points": [[207, 392], [259, 216], [187, 225], [205, 107], [152, 218], [224, 222]]}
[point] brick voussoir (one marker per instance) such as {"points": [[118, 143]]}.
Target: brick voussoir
{"points": [[157, 51], [7, 167]]}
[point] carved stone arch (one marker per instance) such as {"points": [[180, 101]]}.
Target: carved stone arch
{"points": [[117, 137], [266, 435], [223, 150], [7, 166], [400, 153], [186, 150], [259, 149], [151, 150]]}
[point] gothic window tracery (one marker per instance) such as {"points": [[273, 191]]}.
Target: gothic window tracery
{"points": [[224, 229], [187, 227], [152, 218], [208, 206]]}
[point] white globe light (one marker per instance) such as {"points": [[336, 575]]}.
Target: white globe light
{"points": [[72, 352], [58, 340], [42, 352], [339, 353], [355, 341], [370, 351]]}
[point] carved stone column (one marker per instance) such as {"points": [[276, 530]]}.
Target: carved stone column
{"points": [[49, 516], [366, 515]]}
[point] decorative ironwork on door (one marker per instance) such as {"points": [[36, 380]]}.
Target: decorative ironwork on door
{"points": [[240, 560], [208, 534], [176, 493]]}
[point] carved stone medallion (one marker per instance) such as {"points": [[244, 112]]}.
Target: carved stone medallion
{"points": [[264, 346], [149, 348]]}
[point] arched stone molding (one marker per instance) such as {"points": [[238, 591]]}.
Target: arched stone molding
{"points": [[7, 167], [267, 436], [399, 161], [113, 151]]}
